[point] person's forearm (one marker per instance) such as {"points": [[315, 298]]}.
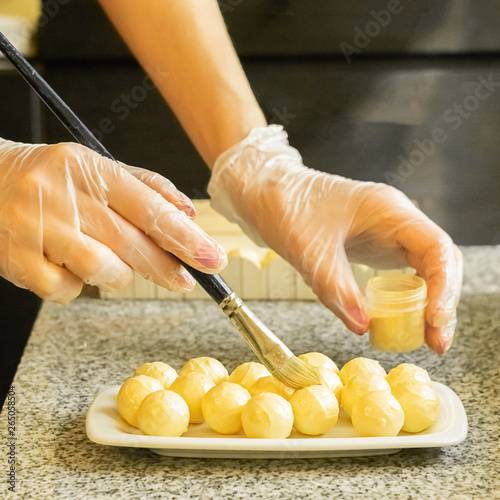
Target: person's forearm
{"points": [[184, 46]]}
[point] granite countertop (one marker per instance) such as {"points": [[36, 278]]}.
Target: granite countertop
{"points": [[76, 351]]}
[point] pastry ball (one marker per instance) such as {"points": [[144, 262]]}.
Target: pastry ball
{"points": [[315, 409], [317, 359], [377, 413], [222, 405], [192, 387], [420, 405], [267, 416], [160, 371], [163, 413], [361, 367], [208, 366], [131, 394], [331, 380], [407, 373], [357, 387], [273, 385], [248, 373]]}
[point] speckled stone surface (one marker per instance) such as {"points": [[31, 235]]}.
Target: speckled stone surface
{"points": [[78, 350]]}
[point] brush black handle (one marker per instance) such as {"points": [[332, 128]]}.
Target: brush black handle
{"points": [[48, 95], [213, 284]]}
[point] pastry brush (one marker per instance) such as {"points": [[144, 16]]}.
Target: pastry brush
{"points": [[271, 351]]}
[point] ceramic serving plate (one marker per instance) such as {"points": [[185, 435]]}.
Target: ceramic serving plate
{"points": [[105, 426]]}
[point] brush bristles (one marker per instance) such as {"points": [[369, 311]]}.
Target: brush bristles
{"points": [[296, 373]]}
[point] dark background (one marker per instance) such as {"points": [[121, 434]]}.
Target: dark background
{"points": [[359, 118]]}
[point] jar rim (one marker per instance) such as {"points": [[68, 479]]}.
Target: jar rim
{"points": [[395, 289]]}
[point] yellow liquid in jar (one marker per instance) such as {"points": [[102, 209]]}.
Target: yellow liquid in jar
{"points": [[399, 331]]}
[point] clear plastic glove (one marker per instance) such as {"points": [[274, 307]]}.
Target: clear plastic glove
{"points": [[319, 222], [68, 216]]}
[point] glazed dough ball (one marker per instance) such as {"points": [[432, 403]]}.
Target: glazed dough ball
{"points": [[377, 413], [267, 416], [248, 373], [357, 387], [361, 367], [160, 371], [222, 405], [272, 385], [131, 394], [420, 405], [406, 373], [208, 366], [331, 380], [318, 359], [163, 413], [192, 387], [315, 409]]}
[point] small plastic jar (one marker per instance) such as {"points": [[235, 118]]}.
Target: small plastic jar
{"points": [[397, 308]]}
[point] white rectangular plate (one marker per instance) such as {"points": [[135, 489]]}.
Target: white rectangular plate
{"points": [[105, 426]]}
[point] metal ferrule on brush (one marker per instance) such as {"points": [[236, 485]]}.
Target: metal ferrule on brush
{"points": [[267, 347]]}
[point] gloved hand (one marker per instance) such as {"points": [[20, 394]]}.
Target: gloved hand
{"points": [[318, 221], [68, 216]]}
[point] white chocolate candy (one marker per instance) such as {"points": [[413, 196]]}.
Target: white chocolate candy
{"points": [[377, 413], [248, 373], [357, 387], [158, 370], [222, 405], [318, 359], [267, 416], [331, 380], [192, 386], [163, 413], [208, 366], [406, 373], [315, 409], [131, 394], [272, 385], [420, 405], [365, 367]]}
